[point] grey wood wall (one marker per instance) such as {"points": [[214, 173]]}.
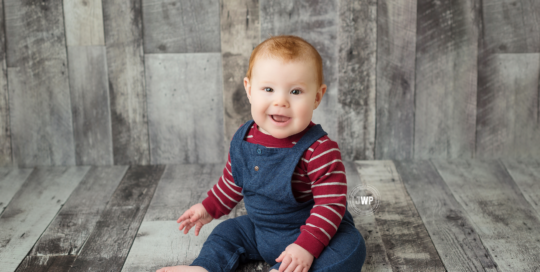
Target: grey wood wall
{"points": [[92, 82]]}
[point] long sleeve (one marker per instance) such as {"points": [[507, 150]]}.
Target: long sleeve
{"points": [[224, 195], [329, 189]]}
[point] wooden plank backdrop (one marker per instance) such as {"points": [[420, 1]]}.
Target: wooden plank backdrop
{"points": [[185, 106], [413, 79], [173, 26], [40, 108], [357, 67], [396, 43], [446, 53], [122, 22]]}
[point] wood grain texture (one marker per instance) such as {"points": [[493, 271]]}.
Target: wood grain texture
{"points": [[5, 128], [125, 64], [33, 208], [376, 259], [46, 264], [190, 26], [40, 110], [159, 244], [90, 106], [84, 22], [526, 174], [316, 22], [508, 106], [446, 78], [396, 43], [107, 247], [406, 240], [68, 232], [181, 187], [512, 26], [185, 108], [357, 68], [239, 22], [502, 217], [449, 227], [11, 180]]}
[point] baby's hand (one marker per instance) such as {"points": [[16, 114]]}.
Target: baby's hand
{"points": [[295, 258], [195, 216]]}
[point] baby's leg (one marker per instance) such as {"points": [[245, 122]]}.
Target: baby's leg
{"points": [[182, 268], [230, 243]]}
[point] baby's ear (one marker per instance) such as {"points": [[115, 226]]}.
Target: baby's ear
{"points": [[247, 87], [319, 95]]}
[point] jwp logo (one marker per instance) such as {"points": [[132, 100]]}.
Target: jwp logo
{"points": [[363, 199]]}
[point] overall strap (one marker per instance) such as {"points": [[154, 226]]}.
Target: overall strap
{"points": [[312, 135], [241, 132]]}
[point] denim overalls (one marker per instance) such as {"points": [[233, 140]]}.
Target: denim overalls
{"points": [[274, 216]]}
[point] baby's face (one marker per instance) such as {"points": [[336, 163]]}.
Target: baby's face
{"points": [[283, 95]]}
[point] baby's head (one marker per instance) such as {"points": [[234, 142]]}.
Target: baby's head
{"points": [[284, 84]]}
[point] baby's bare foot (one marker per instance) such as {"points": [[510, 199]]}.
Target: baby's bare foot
{"points": [[182, 268]]}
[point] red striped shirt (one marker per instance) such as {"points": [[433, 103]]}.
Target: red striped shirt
{"points": [[319, 175]]}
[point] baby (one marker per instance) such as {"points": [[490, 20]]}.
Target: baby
{"points": [[287, 170]]}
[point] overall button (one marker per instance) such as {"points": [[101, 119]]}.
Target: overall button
{"points": [[259, 151], [256, 168]]}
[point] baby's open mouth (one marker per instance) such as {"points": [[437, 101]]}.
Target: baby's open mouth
{"points": [[280, 118]]}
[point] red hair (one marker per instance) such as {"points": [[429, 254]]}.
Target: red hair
{"points": [[288, 48]]}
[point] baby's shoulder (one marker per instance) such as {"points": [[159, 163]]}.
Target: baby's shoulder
{"points": [[321, 146]]}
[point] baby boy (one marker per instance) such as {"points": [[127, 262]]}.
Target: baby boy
{"points": [[287, 170]]}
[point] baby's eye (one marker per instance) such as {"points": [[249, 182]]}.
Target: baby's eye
{"points": [[268, 89], [297, 91]]}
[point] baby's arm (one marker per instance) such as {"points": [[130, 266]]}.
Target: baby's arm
{"points": [[225, 194], [329, 190]]}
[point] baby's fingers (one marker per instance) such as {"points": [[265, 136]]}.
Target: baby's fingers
{"points": [[184, 216], [198, 227]]}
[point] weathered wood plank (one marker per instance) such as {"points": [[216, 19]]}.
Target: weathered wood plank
{"points": [[239, 22], [512, 26], [5, 128], [357, 68], [449, 227], [107, 247], [33, 208], [90, 105], [174, 85], [376, 259], [84, 22], [446, 78], [71, 227], [159, 244], [406, 240], [526, 174], [46, 264], [11, 180], [181, 26], [316, 22], [40, 110], [123, 38], [508, 106], [396, 45], [181, 187], [502, 217]]}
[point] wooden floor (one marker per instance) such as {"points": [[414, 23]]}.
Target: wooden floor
{"points": [[434, 215]]}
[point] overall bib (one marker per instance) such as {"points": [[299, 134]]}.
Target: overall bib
{"points": [[274, 216]]}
